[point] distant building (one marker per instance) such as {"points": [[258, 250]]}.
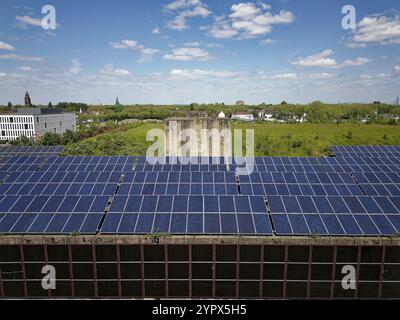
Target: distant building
{"points": [[117, 102], [240, 103], [397, 101], [27, 99], [267, 115], [242, 116], [221, 115], [35, 122]]}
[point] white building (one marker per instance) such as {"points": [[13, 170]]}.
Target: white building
{"points": [[221, 115], [267, 115], [243, 116], [35, 122]]}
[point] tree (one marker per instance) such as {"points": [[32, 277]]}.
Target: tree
{"points": [[9, 106], [50, 106], [284, 102], [51, 139]]}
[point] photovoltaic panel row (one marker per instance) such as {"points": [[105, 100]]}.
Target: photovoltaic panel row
{"points": [[53, 204], [369, 216], [84, 160], [60, 183], [183, 223], [336, 225], [187, 215], [49, 223], [38, 151], [356, 164], [188, 204], [366, 151]]}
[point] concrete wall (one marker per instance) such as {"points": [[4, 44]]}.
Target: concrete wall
{"points": [[208, 137], [56, 123]]}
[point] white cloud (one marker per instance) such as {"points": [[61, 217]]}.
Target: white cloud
{"points": [[322, 75], [377, 29], [6, 46], [357, 62], [25, 21], [266, 42], [199, 44], [75, 67], [193, 44], [188, 54], [214, 45], [248, 20], [197, 74], [184, 9], [134, 45], [111, 72], [383, 75], [17, 57], [2, 74], [156, 30], [310, 76], [25, 69], [324, 59], [365, 77], [353, 45], [285, 76]]}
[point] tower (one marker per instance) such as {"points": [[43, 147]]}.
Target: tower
{"points": [[27, 99], [117, 102], [397, 101]]}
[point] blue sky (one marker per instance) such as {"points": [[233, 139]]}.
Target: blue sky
{"points": [[183, 51]]}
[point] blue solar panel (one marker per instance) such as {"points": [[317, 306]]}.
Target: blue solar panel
{"points": [[357, 194]]}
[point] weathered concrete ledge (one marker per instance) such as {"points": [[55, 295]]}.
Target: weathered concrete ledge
{"points": [[245, 240]]}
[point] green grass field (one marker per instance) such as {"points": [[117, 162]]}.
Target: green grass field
{"points": [[315, 139], [270, 139]]}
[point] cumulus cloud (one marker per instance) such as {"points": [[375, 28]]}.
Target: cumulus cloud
{"points": [[248, 20], [266, 42], [75, 67], [6, 46], [310, 76], [24, 21], [324, 59], [111, 72], [376, 29], [183, 10], [197, 74], [188, 54], [17, 57], [193, 44], [156, 30], [25, 69], [133, 45]]}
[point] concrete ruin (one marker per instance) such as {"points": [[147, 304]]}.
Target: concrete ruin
{"points": [[198, 137]]}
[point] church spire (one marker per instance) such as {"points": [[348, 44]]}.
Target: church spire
{"points": [[27, 100]]}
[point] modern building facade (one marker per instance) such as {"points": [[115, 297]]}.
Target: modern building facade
{"points": [[35, 122]]}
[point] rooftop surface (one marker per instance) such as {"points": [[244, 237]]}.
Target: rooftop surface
{"points": [[354, 195]]}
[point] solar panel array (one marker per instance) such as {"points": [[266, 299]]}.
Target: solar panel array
{"points": [[43, 151], [366, 151], [349, 195]]}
